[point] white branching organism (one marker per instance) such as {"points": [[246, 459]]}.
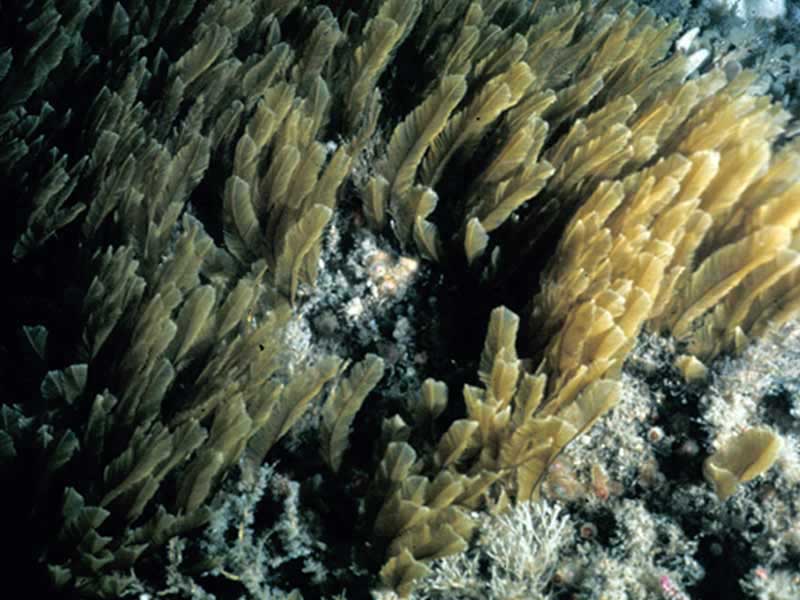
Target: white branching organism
{"points": [[520, 551]]}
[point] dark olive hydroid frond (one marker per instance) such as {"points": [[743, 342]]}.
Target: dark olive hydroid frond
{"points": [[341, 405]]}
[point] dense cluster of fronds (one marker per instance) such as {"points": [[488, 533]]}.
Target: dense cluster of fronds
{"points": [[193, 206]]}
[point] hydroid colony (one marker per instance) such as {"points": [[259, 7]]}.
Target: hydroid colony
{"points": [[559, 149]]}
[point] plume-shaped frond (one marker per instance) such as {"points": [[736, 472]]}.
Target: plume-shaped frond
{"points": [[413, 136], [299, 241], [342, 403]]}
